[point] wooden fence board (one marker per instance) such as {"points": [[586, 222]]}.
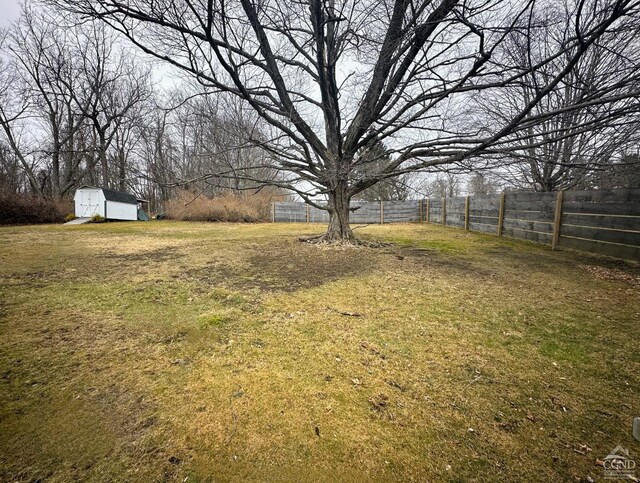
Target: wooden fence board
{"points": [[456, 206], [534, 236], [529, 215], [366, 214], [482, 198], [485, 220], [483, 227], [290, 212], [318, 216], [455, 217], [531, 196], [611, 249], [542, 226], [456, 223], [401, 211], [606, 221], [601, 208], [487, 204], [600, 234], [606, 195], [544, 206], [484, 212]]}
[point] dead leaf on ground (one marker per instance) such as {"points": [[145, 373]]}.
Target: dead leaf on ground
{"points": [[582, 449], [379, 402]]}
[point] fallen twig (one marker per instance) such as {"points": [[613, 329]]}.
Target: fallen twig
{"points": [[346, 313]]}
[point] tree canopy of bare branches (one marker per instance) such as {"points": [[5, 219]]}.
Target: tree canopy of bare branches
{"points": [[596, 105]]}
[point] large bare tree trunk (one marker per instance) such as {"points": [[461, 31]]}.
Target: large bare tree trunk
{"points": [[122, 171], [339, 229], [103, 160], [55, 173]]}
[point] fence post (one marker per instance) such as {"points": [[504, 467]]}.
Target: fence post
{"points": [[428, 209], [381, 212], [273, 212], [501, 214], [557, 221], [466, 213], [444, 211], [420, 210], [308, 214]]}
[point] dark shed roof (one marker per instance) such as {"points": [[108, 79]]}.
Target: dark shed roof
{"points": [[112, 195]]}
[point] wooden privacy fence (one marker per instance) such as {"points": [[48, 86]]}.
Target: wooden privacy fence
{"points": [[366, 212], [599, 221]]}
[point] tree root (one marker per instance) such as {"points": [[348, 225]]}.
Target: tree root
{"points": [[352, 242]]}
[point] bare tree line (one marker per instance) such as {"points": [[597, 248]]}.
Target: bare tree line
{"points": [[68, 99], [78, 107], [330, 99]]}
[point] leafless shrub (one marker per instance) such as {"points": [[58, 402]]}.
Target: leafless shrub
{"points": [[230, 206], [18, 209]]}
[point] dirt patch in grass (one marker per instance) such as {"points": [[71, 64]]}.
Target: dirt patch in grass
{"points": [[28, 279], [434, 259], [286, 267], [292, 267], [155, 255], [627, 271]]}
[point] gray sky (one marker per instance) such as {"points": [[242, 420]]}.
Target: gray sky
{"points": [[9, 10]]}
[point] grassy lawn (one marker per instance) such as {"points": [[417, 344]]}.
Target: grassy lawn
{"points": [[191, 352]]}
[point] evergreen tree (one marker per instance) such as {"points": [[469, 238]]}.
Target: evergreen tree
{"points": [[369, 162]]}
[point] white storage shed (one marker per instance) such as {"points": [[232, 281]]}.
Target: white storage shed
{"points": [[110, 204]]}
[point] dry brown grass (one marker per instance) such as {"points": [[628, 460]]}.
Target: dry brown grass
{"points": [[233, 207], [169, 351]]}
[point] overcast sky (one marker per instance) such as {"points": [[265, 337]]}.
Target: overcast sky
{"points": [[9, 10]]}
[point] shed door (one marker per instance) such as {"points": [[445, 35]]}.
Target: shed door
{"points": [[90, 203]]}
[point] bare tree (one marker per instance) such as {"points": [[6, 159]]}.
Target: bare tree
{"points": [[37, 83], [622, 173], [126, 140], [188, 134], [217, 136], [482, 184], [117, 88], [597, 102], [11, 175], [442, 185], [328, 76], [160, 154]]}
